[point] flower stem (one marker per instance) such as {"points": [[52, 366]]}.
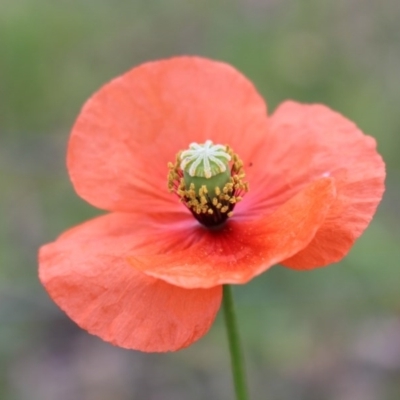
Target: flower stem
{"points": [[234, 345]]}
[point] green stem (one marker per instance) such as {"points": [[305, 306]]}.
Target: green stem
{"points": [[234, 345]]}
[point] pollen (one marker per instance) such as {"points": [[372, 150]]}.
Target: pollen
{"points": [[210, 189]]}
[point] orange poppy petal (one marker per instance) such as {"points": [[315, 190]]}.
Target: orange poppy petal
{"points": [[310, 141], [86, 274], [133, 126], [197, 257]]}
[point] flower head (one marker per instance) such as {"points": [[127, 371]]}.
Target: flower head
{"points": [[248, 191]]}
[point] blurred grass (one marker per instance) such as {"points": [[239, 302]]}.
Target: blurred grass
{"points": [[302, 331]]}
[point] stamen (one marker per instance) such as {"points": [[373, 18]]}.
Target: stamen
{"points": [[209, 180]]}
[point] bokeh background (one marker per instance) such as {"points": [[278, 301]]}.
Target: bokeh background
{"points": [[332, 333]]}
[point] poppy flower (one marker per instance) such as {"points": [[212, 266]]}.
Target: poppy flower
{"points": [[296, 188]]}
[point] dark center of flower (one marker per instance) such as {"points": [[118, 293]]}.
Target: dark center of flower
{"points": [[209, 180]]}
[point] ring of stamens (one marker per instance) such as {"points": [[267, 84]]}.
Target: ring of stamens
{"points": [[210, 206]]}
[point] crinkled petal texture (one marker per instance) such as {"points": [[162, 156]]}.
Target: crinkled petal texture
{"points": [[148, 276], [87, 274], [306, 142], [191, 256], [132, 127]]}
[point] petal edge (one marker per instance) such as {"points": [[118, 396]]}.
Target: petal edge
{"points": [[86, 273]]}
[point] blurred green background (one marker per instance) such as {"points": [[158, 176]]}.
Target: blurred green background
{"points": [[332, 333]]}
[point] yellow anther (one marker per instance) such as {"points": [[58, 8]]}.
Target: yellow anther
{"points": [[210, 204]]}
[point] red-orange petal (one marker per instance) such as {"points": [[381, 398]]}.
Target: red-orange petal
{"points": [[197, 257], [309, 141], [86, 273], [133, 126]]}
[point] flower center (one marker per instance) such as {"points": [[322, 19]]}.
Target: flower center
{"points": [[209, 180]]}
